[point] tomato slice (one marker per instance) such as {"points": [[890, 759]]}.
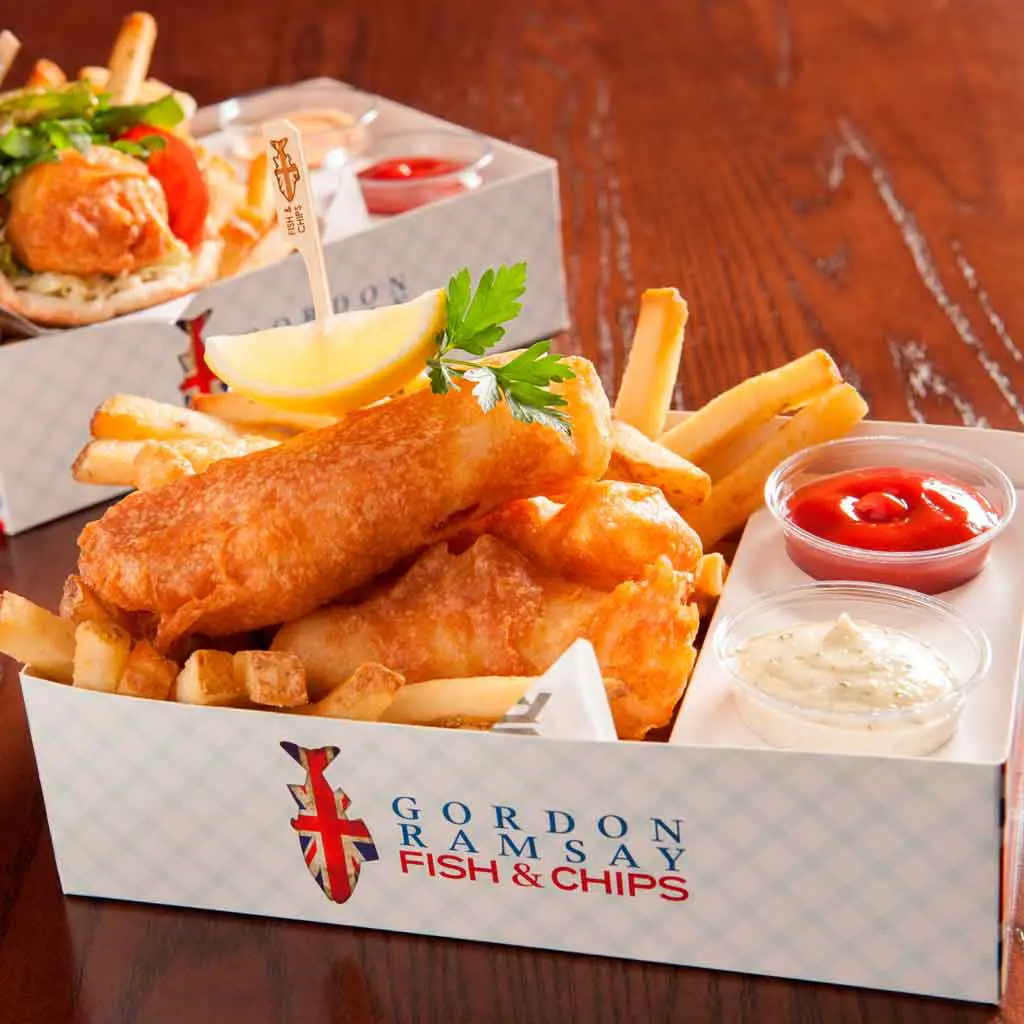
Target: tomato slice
{"points": [[175, 167]]}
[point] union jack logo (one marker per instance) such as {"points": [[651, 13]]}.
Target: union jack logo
{"points": [[197, 377], [333, 845]]}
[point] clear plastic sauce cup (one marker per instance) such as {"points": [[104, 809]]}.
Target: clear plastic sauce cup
{"points": [[927, 571]]}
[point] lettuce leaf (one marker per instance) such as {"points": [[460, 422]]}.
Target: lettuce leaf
{"points": [[36, 124]]}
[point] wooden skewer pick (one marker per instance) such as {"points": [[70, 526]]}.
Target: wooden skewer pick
{"points": [[296, 209], [9, 47]]}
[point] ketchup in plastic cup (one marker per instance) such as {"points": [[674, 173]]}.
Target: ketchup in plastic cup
{"points": [[900, 511], [405, 170]]}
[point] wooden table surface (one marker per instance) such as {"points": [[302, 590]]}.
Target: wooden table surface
{"points": [[842, 174]]}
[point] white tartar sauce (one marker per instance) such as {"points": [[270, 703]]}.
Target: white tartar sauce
{"points": [[844, 667]]}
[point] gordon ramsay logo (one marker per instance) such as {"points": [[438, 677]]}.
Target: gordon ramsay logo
{"points": [[197, 377], [334, 846], [286, 173]]}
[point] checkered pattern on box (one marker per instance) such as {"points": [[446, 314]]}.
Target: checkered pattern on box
{"points": [[851, 870], [50, 386]]}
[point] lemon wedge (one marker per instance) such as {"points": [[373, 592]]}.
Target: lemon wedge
{"points": [[349, 361]]}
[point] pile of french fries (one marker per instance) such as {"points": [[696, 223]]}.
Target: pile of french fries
{"points": [[242, 213], [94, 648], [125, 78], [713, 465], [89, 647], [138, 442], [141, 443]]}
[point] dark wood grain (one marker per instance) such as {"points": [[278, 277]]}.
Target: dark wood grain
{"points": [[842, 174]]}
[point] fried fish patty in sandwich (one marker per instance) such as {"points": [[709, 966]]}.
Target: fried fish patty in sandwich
{"points": [[99, 212]]}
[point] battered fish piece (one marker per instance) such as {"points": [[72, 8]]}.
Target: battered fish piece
{"points": [[266, 538], [489, 611], [606, 532], [99, 212]]}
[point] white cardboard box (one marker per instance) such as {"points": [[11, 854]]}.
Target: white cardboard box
{"points": [[711, 851], [50, 385]]}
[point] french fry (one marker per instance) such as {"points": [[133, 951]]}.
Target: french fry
{"points": [[239, 238], [253, 219], [147, 673], [726, 457], [79, 604], [107, 463], [739, 495], [118, 463], [227, 190], [645, 393], [246, 412], [158, 463], [637, 459], [418, 383], [101, 653], [96, 76], [267, 432], [46, 75], [258, 196], [709, 581], [130, 57], [271, 678], [751, 403], [134, 418], [40, 640], [363, 697], [9, 47], [478, 702], [208, 678], [271, 248], [203, 453]]}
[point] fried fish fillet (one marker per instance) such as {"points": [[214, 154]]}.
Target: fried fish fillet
{"points": [[100, 212], [266, 538], [489, 611], [604, 533]]}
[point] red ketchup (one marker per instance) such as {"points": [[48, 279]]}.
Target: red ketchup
{"points": [[409, 181], [888, 509]]}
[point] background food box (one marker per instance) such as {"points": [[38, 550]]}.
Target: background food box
{"points": [[710, 850], [50, 385]]}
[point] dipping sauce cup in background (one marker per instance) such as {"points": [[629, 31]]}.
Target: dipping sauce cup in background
{"points": [[329, 120], [931, 570], [405, 170], [802, 723]]}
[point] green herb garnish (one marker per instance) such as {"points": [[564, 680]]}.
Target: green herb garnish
{"points": [[142, 148], [476, 323], [165, 112], [21, 106], [36, 124]]}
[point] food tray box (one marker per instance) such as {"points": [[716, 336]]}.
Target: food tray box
{"points": [[50, 385], [709, 850]]}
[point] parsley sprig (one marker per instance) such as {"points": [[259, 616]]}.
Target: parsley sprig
{"points": [[475, 324]]}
